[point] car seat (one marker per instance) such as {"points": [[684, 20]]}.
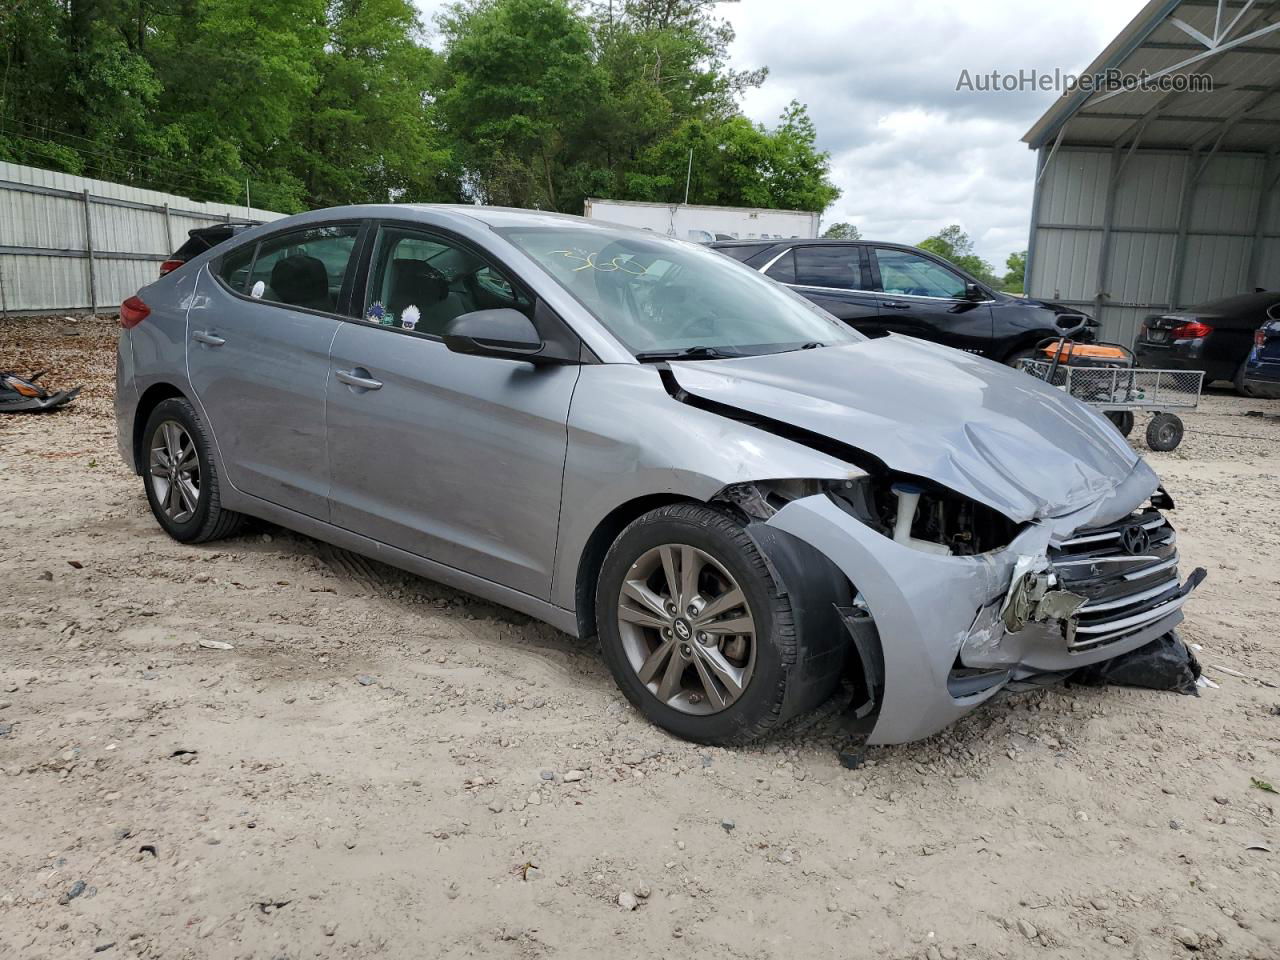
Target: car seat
{"points": [[301, 281], [419, 284]]}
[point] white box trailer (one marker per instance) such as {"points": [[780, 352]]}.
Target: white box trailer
{"points": [[705, 224]]}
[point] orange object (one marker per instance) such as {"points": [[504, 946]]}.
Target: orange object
{"points": [[1085, 351]]}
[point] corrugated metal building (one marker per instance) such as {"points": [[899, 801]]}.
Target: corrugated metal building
{"points": [[70, 244], [1150, 199]]}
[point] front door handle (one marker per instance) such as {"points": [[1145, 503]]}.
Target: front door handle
{"points": [[208, 339], [895, 305], [353, 378]]}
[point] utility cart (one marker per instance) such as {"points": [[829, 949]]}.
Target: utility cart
{"points": [[1103, 376]]}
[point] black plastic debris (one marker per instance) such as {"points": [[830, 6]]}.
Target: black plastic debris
{"points": [[1166, 663], [24, 395]]}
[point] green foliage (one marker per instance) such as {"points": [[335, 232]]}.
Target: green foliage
{"points": [[842, 231], [953, 244], [1015, 279], [538, 103]]}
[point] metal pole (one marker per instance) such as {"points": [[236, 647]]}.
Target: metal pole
{"points": [[88, 243], [4, 303], [688, 178], [1190, 180], [1104, 249], [1041, 158], [168, 230], [1260, 220], [247, 206]]}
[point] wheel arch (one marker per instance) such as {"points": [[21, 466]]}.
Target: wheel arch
{"points": [[598, 544], [151, 398]]}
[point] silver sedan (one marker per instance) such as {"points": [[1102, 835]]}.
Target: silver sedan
{"points": [[635, 438]]}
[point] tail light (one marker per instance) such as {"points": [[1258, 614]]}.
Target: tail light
{"points": [[170, 265], [1260, 338], [1191, 331], [132, 312]]}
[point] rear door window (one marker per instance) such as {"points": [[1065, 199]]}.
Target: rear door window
{"points": [[305, 268], [834, 267]]}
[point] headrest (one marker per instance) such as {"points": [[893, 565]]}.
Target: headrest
{"points": [[416, 282], [300, 280]]}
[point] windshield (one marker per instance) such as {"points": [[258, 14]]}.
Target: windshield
{"points": [[656, 294]]}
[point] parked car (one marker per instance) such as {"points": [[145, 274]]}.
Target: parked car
{"points": [[631, 437], [1214, 337], [1262, 369], [882, 288], [199, 240]]}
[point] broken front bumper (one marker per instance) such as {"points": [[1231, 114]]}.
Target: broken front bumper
{"points": [[944, 642]]}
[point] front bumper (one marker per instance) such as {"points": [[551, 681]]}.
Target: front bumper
{"points": [[944, 644]]}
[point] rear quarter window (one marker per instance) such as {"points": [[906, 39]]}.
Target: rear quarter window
{"points": [[233, 268]]}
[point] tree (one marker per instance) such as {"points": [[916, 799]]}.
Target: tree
{"points": [[953, 244], [520, 85], [738, 163], [1015, 279], [842, 231]]}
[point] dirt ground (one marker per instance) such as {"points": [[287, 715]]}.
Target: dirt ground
{"points": [[382, 767]]}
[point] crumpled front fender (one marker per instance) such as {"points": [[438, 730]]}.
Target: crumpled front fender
{"points": [[924, 606]]}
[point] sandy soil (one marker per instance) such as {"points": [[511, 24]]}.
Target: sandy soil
{"points": [[382, 767]]}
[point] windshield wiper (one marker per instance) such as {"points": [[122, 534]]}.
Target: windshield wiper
{"points": [[685, 353]]}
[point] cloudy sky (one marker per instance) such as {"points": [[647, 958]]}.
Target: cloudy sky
{"points": [[909, 152]]}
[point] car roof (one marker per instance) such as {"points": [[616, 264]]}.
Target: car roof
{"points": [[1239, 306], [810, 242]]}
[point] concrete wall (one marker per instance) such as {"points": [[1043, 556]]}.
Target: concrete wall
{"points": [[50, 222], [1125, 236]]}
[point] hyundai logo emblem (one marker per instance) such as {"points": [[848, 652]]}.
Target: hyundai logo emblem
{"points": [[1135, 540]]}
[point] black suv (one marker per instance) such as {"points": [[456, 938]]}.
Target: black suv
{"points": [[882, 288], [201, 239]]}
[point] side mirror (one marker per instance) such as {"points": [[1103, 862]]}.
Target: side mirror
{"points": [[503, 333], [973, 292]]}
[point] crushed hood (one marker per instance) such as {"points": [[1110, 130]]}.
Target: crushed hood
{"points": [[987, 431]]}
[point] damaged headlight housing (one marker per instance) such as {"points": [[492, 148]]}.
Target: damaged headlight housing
{"points": [[924, 515]]}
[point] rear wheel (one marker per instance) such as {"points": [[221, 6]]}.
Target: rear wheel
{"points": [[1123, 419], [1015, 359], [180, 477], [1242, 387], [1164, 432], [696, 631]]}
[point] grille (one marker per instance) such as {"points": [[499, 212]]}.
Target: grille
{"points": [[1128, 573]]}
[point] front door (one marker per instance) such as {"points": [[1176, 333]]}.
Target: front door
{"points": [[451, 457], [922, 298], [835, 277], [258, 336]]}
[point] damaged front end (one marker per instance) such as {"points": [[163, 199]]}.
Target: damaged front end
{"points": [[949, 602]]}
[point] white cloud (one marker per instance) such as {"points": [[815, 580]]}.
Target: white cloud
{"points": [[910, 152]]}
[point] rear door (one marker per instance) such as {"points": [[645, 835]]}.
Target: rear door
{"points": [[451, 457], [923, 298], [835, 277], [258, 338]]}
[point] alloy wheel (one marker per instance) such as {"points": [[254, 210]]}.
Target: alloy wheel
{"points": [[687, 629], [175, 471]]}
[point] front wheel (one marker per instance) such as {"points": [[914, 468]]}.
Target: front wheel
{"points": [[180, 477], [696, 631]]}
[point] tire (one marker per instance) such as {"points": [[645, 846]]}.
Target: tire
{"points": [[1123, 420], [1015, 359], [189, 508], [772, 688], [1239, 383], [1164, 432]]}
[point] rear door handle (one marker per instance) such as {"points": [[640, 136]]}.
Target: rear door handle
{"points": [[895, 305], [208, 339], [353, 378]]}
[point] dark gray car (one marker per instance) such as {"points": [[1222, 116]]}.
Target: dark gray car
{"points": [[631, 437]]}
